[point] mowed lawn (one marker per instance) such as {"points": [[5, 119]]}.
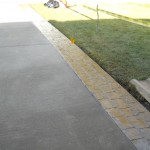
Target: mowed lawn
{"points": [[121, 48]]}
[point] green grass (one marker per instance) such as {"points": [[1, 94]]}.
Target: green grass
{"points": [[121, 48]]}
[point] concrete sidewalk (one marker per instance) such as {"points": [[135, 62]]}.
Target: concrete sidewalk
{"points": [[44, 105]]}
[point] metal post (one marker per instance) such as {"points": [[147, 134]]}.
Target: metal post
{"points": [[97, 25]]}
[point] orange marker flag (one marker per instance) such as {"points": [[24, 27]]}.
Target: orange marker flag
{"points": [[72, 40]]}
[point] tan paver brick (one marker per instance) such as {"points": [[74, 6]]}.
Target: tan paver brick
{"points": [[113, 95], [121, 103], [145, 116], [138, 107], [135, 112], [123, 122], [128, 98], [106, 105], [106, 88], [138, 122], [114, 113], [106, 96], [98, 94], [127, 112], [133, 133]]}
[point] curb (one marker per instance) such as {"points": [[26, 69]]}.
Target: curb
{"points": [[143, 91]]}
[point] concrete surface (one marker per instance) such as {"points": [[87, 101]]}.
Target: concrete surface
{"points": [[142, 87], [43, 103]]}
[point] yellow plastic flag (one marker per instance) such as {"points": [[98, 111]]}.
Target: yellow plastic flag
{"points": [[72, 40]]}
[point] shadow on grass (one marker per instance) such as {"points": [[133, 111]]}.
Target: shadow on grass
{"points": [[120, 48]]}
